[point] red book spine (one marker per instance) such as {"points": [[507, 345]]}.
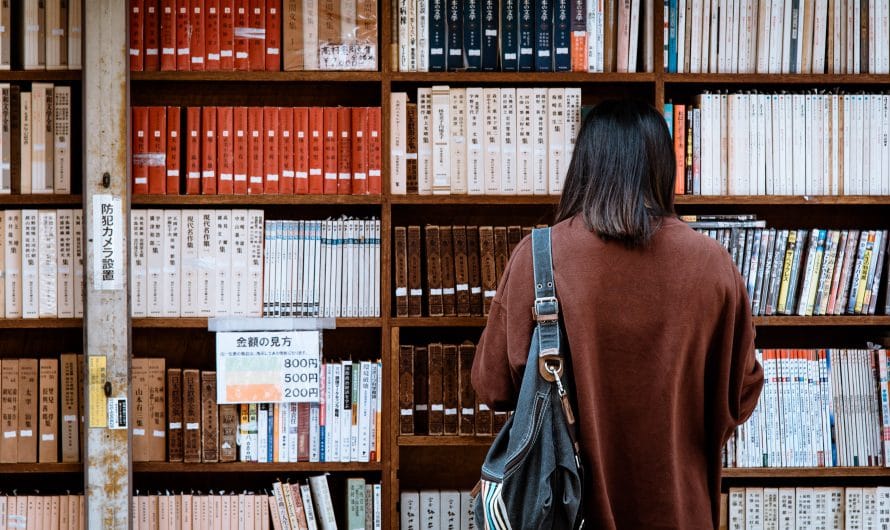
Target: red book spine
{"points": [[226, 34], [193, 151], [173, 125], [242, 30], [168, 35], [329, 154], [344, 151], [255, 150], [359, 151], [680, 148], [137, 26], [241, 158], [225, 153], [208, 151], [157, 150], [286, 150], [211, 34], [270, 149], [301, 150], [183, 36], [316, 150], [140, 149], [273, 35], [257, 41], [375, 151], [196, 42], [152, 36]]}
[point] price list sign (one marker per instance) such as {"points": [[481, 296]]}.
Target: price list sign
{"points": [[268, 367]]}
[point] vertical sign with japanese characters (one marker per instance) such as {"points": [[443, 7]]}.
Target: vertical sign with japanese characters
{"points": [[108, 227]]}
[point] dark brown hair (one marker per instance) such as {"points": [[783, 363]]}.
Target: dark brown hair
{"points": [[621, 177]]}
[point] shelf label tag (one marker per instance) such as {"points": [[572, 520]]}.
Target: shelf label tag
{"points": [[98, 401], [108, 229], [117, 413]]}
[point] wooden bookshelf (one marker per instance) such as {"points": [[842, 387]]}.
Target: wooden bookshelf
{"points": [[255, 200], [256, 467], [445, 441], [776, 79], [18, 201], [45, 323], [571, 78], [49, 76], [258, 77], [806, 472], [42, 468], [760, 321], [201, 323]]}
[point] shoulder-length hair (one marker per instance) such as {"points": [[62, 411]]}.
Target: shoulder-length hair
{"points": [[621, 177]]}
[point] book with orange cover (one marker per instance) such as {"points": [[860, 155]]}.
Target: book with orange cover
{"points": [[193, 151], [173, 150], [241, 32], [301, 150], [273, 35], [239, 146], [157, 150], [152, 35], [208, 150], [48, 432], [286, 150], [680, 148], [270, 150], [168, 35], [359, 156], [375, 151], [211, 35], [226, 34], [256, 44], [329, 153], [183, 36], [137, 42], [316, 150], [196, 41], [225, 152], [140, 149], [344, 151], [255, 150]]}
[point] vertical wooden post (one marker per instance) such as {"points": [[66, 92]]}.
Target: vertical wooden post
{"points": [[106, 229]]}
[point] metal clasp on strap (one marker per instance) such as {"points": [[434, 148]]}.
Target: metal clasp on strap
{"points": [[546, 309]]}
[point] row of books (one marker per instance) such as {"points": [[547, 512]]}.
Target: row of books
{"points": [[41, 261], [850, 508], [176, 418], [436, 396], [456, 269], [41, 409], [46, 512], [35, 139], [806, 272], [424, 509], [782, 144], [255, 150], [524, 35], [268, 35], [47, 33], [493, 141], [818, 408], [322, 268], [304, 507]]}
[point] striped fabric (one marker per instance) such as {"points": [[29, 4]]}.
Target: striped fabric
{"points": [[493, 507]]}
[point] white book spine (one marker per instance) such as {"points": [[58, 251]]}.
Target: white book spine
{"points": [[398, 134], [475, 141], [223, 267], [314, 440], [430, 510], [79, 285], [172, 252], [207, 244], [556, 117], [524, 134], [2, 265], [65, 283], [310, 34], [705, 39], [254, 285], [681, 35], [573, 127], [188, 264], [540, 151], [139, 285], [26, 140], [423, 35], [154, 263], [240, 260], [365, 409], [47, 264], [491, 140], [62, 140], [291, 428], [263, 433], [458, 144], [409, 512], [405, 50], [75, 16], [696, 37], [509, 169], [322, 497], [424, 141]]}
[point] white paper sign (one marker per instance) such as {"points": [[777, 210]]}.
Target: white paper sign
{"points": [[108, 234], [268, 367]]}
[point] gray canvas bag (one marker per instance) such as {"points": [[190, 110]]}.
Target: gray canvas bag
{"points": [[532, 476]]}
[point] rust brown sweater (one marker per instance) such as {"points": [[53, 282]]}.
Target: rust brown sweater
{"points": [[662, 343]]}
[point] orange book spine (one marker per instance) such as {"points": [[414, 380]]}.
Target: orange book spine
{"points": [[173, 146], [359, 151], [140, 149], [211, 34], [226, 34], [344, 151], [225, 152], [579, 51], [157, 150], [255, 150], [270, 150], [208, 151], [196, 37], [286, 150], [316, 150], [273, 35], [183, 36], [193, 151], [240, 142], [152, 34], [242, 30], [329, 154], [137, 44], [168, 35], [257, 42], [301, 150], [680, 148], [375, 151]]}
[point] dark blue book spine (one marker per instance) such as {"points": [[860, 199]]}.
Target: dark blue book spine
{"points": [[562, 36], [490, 20], [473, 34], [509, 36], [437, 35], [543, 35], [455, 35], [526, 35]]}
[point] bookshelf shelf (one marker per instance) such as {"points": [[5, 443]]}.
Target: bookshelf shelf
{"points": [[522, 77], [255, 467], [253, 200], [775, 79], [40, 75], [250, 77], [41, 200], [445, 441], [42, 468], [807, 472], [772, 321], [32, 323], [506, 200], [788, 200], [438, 322], [201, 323]]}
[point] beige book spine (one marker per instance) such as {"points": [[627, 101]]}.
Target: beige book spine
{"points": [[61, 140]]}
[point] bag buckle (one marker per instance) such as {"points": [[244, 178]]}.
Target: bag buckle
{"points": [[546, 309], [550, 366]]}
